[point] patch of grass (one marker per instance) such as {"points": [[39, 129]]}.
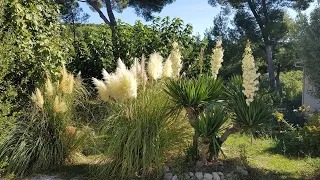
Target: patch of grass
{"points": [[260, 159]]}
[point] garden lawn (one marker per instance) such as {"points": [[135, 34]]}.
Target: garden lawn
{"points": [[260, 160], [266, 164]]}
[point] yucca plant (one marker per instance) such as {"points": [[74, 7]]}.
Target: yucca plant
{"points": [[245, 117], [194, 95], [41, 139], [208, 127], [138, 134]]}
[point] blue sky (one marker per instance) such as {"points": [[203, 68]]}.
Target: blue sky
{"points": [[196, 12]]}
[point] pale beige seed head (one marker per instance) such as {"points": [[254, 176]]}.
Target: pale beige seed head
{"points": [[70, 83], [102, 89], [37, 98], [59, 106], [122, 84], [167, 68], [155, 66], [49, 87], [67, 81]]}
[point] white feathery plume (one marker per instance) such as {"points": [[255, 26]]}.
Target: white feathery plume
{"points": [[155, 66], [167, 68], [102, 89]]}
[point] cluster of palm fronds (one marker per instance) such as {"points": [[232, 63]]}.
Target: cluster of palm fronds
{"points": [[209, 104], [199, 95]]}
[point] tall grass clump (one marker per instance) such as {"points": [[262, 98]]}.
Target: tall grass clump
{"points": [[139, 133], [45, 136]]}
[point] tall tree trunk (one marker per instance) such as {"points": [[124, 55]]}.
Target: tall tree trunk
{"points": [[270, 65], [112, 19], [263, 23], [112, 24], [95, 6], [278, 82]]}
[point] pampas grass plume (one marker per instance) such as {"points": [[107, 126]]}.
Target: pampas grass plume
{"points": [[122, 84], [49, 87], [155, 66], [37, 98], [167, 68], [59, 106], [67, 81], [102, 89]]}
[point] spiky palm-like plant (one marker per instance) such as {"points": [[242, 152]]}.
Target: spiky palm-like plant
{"points": [[194, 95], [246, 117], [208, 127]]}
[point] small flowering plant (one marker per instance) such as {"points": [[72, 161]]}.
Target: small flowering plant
{"points": [[283, 125], [304, 108], [246, 117]]}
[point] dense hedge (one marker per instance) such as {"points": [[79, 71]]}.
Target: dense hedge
{"points": [[37, 44], [95, 48]]}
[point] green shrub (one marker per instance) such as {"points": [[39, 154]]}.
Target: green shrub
{"points": [[95, 48], [304, 141], [8, 91], [292, 88], [194, 96], [7, 96], [93, 51], [37, 44], [45, 136], [139, 133]]}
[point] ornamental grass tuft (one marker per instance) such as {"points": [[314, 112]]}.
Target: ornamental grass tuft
{"points": [[138, 135], [42, 138]]}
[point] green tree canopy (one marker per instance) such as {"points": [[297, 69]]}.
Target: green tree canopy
{"points": [[310, 50], [144, 8], [263, 20], [37, 46]]}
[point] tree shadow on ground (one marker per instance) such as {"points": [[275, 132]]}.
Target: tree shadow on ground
{"points": [[229, 166], [282, 149], [289, 146], [90, 171]]}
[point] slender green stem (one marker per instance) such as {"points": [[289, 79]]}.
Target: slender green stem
{"points": [[251, 134]]}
